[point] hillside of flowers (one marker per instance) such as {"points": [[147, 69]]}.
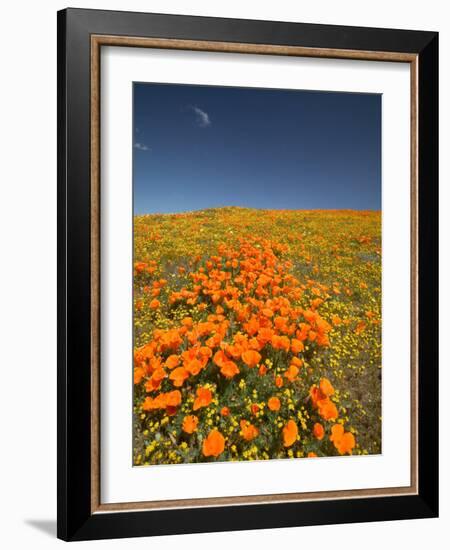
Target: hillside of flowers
{"points": [[257, 335]]}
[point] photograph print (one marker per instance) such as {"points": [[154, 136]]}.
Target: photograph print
{"points": [[256, 274]]}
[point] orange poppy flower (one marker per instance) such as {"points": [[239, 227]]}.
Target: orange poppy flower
{"points": [[139, 266], [154, 304], [316, 395], [296, 361], [281, 323], [255, 344], [336, 320], [312, 455], [303, 333], [173, 398], [316, 303], [290, 433], [297, 345], [159, 402], [172, 361], [252, 326], [337, 431], [318, 431], [138, 374], [234, 351], [274, 404], [323, 340], [203, 399], [251, 358], [327, 409], [291, 373], [310, 316], [343, 441], [166, 401], [225, 411], [220, 358], [213, 444], [322, 326], [325, 387], [147, 404], [190, 424], [264, 335], [204, 352], [155, 381], [229, 369], [346, 443], [248, 431], [193, 367], [178, 376], [267, 312], [278, 381], [281, 342]]}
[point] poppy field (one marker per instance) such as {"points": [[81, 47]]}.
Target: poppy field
{"points": [[257, 335]]}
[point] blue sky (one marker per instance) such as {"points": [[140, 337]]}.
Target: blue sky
{"points": [[199, 147]]}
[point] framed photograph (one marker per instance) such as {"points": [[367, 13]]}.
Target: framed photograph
{"points": [[247, 254]]}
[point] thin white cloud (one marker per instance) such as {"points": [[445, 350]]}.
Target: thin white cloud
{"points": [[202, 117], [141, 146]]}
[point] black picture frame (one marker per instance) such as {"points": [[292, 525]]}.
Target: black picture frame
{"points": [[75, 518]]}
